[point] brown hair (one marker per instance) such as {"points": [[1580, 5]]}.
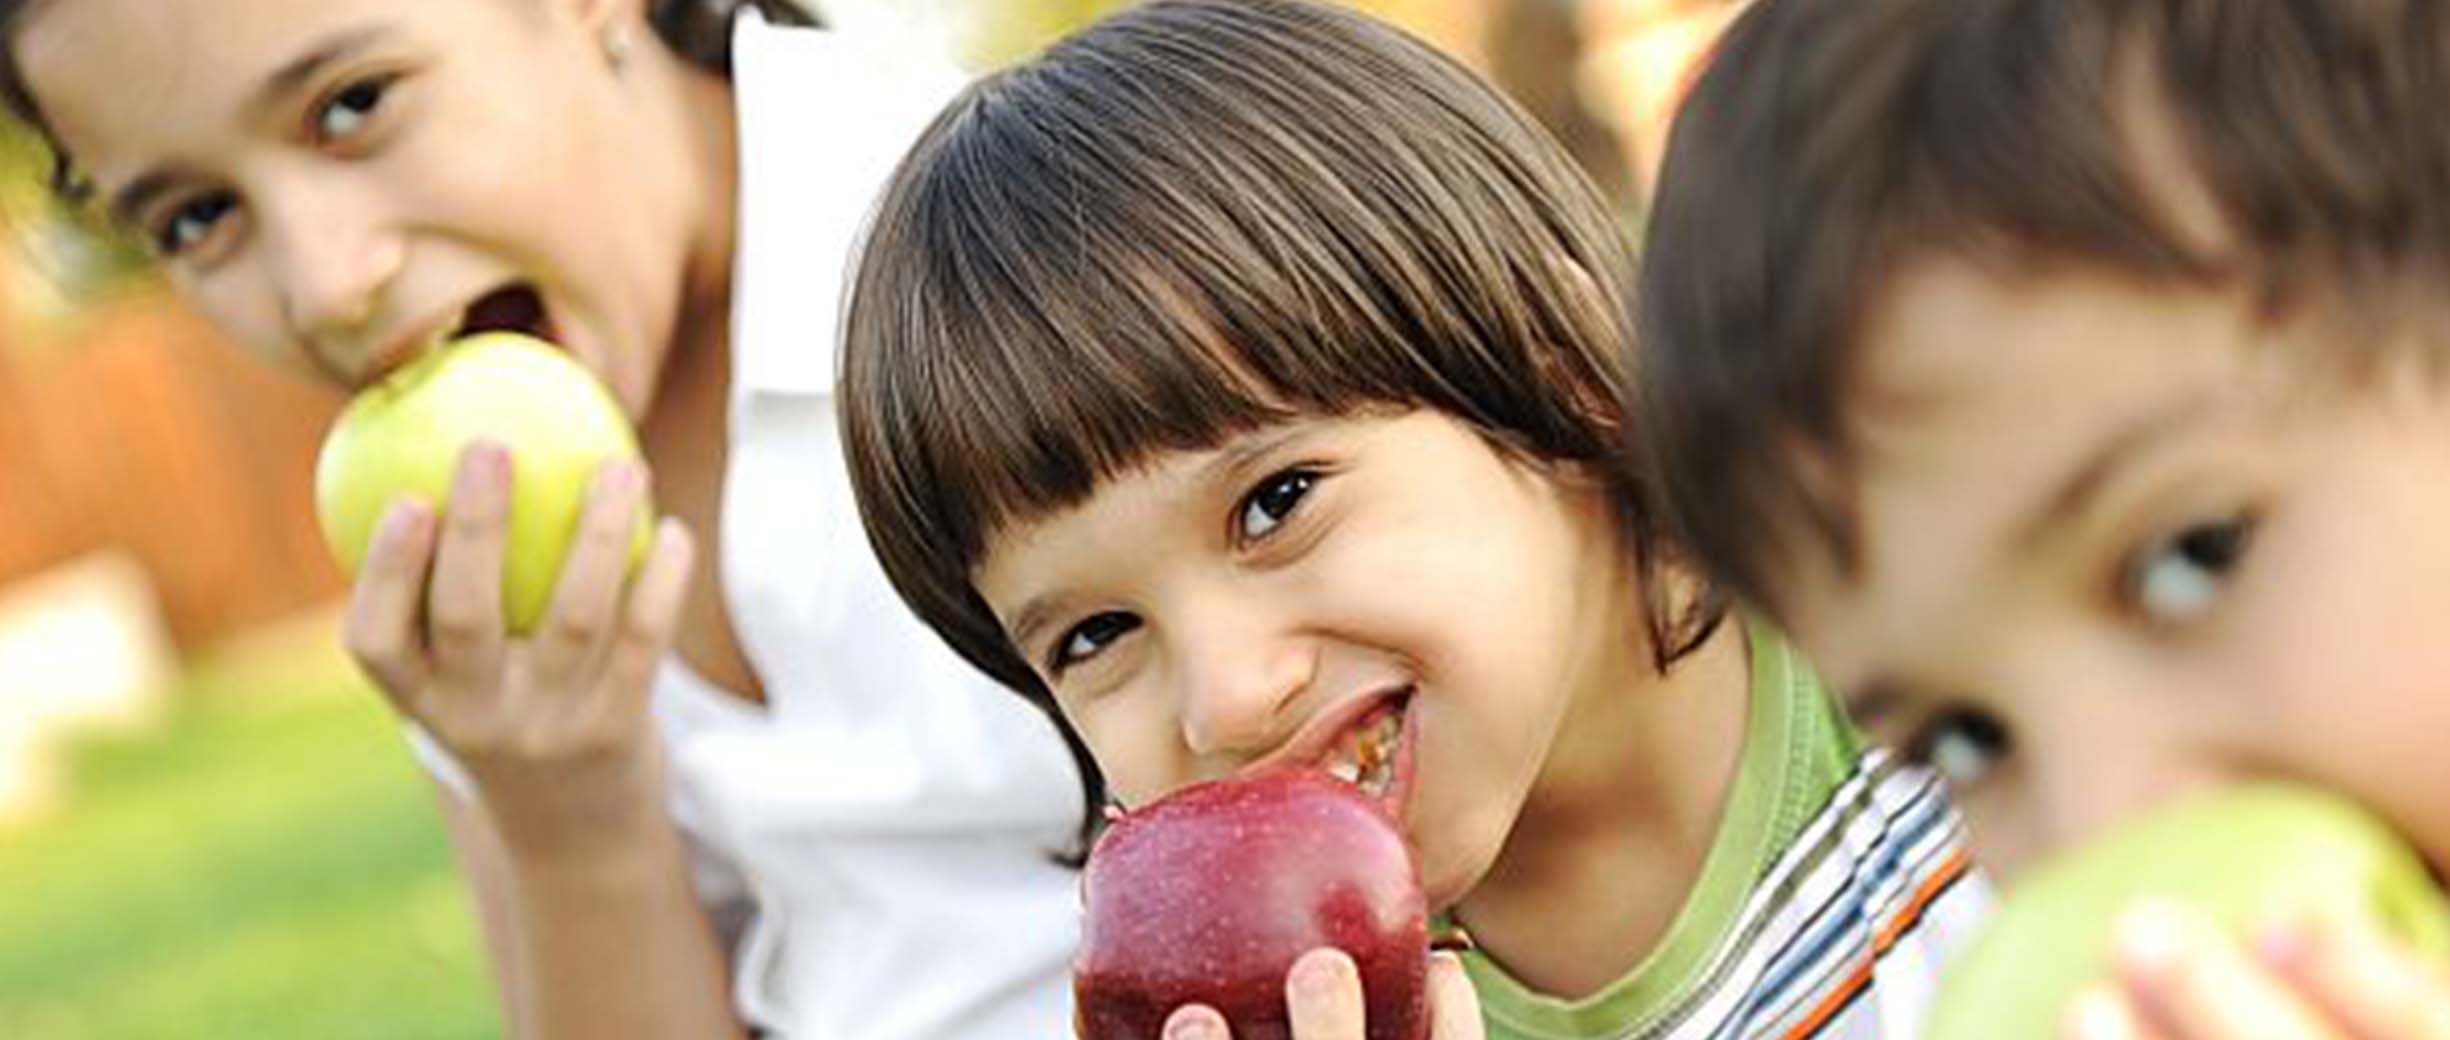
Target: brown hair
{"points": [[1195, 218], [1828, 141]]}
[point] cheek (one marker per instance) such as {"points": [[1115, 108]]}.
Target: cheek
{"points": [[242, 309], [2343, 666], [1132, 736]]}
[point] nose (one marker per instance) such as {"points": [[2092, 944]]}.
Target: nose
{"points": [[333, 261], [1239, 678]]}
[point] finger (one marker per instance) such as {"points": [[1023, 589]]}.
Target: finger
{"points": [[464, 607], [2103, 1013], [587, 596], [1196, 1022], [1323, 996], [2351, 972], [652, 614], [2191, 981], [1454, 1007], [383, 630]]}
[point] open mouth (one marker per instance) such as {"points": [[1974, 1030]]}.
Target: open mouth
{"points": [[1365, 756], [516, 307]]}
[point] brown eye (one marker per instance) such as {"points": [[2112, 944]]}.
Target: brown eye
{"points": [[1961, 744], [347, 112], [1274, 499], [192, 222], [2182, 577], [1086, 639]]}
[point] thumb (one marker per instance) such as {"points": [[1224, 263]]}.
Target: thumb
{"points": [[1454, 1009]]}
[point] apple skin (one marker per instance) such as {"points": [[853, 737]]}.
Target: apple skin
{"points": [[1209, 895], [404, 437], [2236, 854]]}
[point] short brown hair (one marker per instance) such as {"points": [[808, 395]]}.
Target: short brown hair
{"points": [[1829, 141], [1196, 218]]}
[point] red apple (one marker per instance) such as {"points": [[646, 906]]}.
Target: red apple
{"points": [[1209, 895]]}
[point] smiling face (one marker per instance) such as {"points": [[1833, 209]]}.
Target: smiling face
{"points": [[2120, 540], [335, 182], [1265, 602]]}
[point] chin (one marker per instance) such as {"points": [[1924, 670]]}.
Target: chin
{"points": [[1445, 882]]}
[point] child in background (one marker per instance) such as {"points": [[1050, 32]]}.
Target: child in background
{"points": [[1239, 378], [746, 796], [2067, 377]]}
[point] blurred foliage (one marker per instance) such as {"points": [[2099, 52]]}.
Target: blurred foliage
{"points": [[268, 864]]}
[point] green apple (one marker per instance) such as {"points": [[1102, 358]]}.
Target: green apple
{"points": [[2237, 854], [404, 437]]}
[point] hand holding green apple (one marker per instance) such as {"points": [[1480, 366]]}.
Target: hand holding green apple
{"points": [[2238, 855], [405, 436]]}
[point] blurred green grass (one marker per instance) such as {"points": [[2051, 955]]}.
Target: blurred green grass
{"points": [[266, 864]]}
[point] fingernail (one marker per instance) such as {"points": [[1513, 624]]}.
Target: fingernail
{"points": [[406, 520], [619, 477], [2096, 1015], [2284, 941], [1192, 1027], [2151, 936], [487, 462], [1318, 977]]}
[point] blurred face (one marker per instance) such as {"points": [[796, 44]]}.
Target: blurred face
{"points": [[336, 182], [2124, 540], [1388, 597]]}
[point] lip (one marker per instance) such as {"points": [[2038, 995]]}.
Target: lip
{"points": [[1310, 745], [412, 339], [405, 344]]}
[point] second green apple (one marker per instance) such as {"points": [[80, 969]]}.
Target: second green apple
{"points": [[2238, 854]]}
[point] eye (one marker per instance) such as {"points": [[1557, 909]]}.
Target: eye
{"points": [[2181, 578], [1087, 639], [192, 221], [1961, 744], [1274, 499], [346, 112]]}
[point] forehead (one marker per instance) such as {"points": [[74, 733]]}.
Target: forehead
{"points": [[1978, 391], [1132, 507], [164, 75]]}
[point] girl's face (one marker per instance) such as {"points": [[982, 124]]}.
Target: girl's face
{"points": [[1315, 586], [2121, 540], [336, 182]]}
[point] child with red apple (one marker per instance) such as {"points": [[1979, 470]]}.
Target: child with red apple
{"points": [[1239, 379], [2066, 375], [748, 796]]}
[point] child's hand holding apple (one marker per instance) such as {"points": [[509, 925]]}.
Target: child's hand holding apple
{"points": [[489, 502]]}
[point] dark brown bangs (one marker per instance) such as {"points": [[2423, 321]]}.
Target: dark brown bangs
{"points": [[1196, 220]]}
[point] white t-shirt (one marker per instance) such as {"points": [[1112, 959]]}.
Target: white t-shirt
{"points": [[877, 839]]}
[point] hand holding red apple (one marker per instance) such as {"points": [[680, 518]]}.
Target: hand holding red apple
{"points": [[1281, 905]]}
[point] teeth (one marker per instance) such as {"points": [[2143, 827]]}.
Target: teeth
{"points": [[1367, 759]]}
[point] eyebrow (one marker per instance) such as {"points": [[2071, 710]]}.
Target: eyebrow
{"points": [[1038, 611], [140, 192], [2115, 453]]}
